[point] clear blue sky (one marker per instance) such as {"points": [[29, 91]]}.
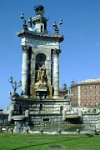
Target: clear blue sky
{"points": [[80, 57]]}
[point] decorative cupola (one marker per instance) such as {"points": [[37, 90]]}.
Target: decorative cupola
{"points": [[39, 20]]}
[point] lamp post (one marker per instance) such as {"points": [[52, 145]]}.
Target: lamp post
{"points": [[30, 21], [14, 84], [56, 27], [24, 20]]}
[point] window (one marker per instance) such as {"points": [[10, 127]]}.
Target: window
{"points": [[82, 87], [82, 93], [91, 104], [96, 104], [90, 87], [86, 92], [96, 86]]}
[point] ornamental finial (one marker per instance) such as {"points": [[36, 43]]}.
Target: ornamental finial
{"points": [[39, 9]]}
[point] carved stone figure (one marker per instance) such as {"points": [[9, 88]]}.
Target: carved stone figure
{"points": [[41, 78]]}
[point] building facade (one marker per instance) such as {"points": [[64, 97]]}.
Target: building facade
{"points": [[85, 93]]}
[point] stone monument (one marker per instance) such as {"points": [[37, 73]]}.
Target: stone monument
{"points": [[40, 73]]}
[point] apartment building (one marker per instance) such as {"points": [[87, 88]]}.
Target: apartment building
{"points": [[85, 93]]}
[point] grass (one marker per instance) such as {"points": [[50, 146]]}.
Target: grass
{"points": [[46, 142]]}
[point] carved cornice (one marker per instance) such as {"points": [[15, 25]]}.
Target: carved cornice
{"points": [[41, 36]]}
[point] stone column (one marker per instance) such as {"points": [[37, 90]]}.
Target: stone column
{"points": [[56, 72], [25, 71]]}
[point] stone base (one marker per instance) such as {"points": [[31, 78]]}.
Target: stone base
{"points": [[41, 111]]}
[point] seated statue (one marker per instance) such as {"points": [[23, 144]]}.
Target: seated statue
{"points": [[41, 80]]}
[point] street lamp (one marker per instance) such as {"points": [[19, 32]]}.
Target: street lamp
{"points": [[24, 21], [14, 84], [56, 27], [30, 21]]}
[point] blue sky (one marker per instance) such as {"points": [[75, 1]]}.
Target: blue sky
{"points": [[80, 57]]}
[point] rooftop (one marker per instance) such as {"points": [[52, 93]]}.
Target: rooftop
{"points": [[90, 80], [87, 81]]}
